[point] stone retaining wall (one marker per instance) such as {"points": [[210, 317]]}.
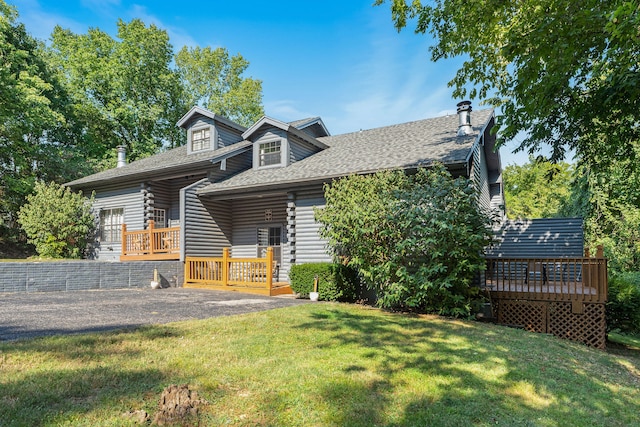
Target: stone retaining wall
{"points": [[87, 275]]}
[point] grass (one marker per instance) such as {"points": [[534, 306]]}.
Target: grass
{"points": [[321, 365]]}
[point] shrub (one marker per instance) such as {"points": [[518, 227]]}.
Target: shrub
{"points": [[623, 307], [416, 239], [335, 282], [57, 221]]}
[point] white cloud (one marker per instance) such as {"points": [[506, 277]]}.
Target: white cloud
{"points": [[40, 24], [177, 36], [285, 110], [394, 82]]}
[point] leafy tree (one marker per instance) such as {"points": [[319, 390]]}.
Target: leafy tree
{"points": [[213, 79], [124, 91], [613, 211], [417, 241], [537, 189], [37, 134], [132, 90], [565, 72], [57, 221]]}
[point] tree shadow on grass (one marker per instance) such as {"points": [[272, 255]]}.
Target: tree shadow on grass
{"points": [[458, 373], [78, 382]]}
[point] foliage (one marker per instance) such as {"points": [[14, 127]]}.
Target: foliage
{"points": [[417, 241], [336, 282], [132, 90], [538, 189], [608, 197], [566, 75], [213, 79], [57, 221], [564, 72], [64, 108], [36, 126], [124, 91], [623, 306]]}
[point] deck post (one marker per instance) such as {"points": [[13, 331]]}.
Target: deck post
{"points": [[124, 239], [187, 272], [225, 266], [269, 268], [152, 245]]}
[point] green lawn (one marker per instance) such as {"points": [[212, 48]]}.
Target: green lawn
{"points": [[322, 365]]}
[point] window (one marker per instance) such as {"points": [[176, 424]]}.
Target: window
{"points": [[200, 139], [269, 153], [270, 236], [111, 224], [159, 218]]}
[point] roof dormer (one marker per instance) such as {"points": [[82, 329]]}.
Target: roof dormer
{"points": [[207, 131], [278, 144]]}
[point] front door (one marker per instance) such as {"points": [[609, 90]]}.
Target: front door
{"points": [[270, 236]]}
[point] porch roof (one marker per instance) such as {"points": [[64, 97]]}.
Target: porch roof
{"points": [[405, 146], [168, 163]]}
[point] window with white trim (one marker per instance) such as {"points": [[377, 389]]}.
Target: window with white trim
{"points": [[269, 153], [270, 237], [111, 221], [159, 218], [200, 139]]}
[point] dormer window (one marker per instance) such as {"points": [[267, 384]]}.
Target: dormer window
{"points": [[270, 153], [200, 139]]}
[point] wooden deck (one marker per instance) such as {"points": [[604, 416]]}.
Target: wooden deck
{"points": [[565, 297], [152, 244], [249, 275], [547, 279]]}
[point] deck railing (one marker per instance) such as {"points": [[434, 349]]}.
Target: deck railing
{"points": [[548, 279], [230, 272], [152, 241]]}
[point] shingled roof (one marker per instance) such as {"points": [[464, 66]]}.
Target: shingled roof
{"points": [[406, 145], [169, 162]]}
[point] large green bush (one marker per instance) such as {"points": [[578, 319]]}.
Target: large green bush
{"points": [[415, 239], [335, 282], [57, 221], [623, 307]]}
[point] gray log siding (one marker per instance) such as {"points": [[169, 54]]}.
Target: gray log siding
{"points": [[248, 215], [539, 238], [227, 136], [480, 177], [131, 199], [315, 131], [299, 149], [201, 232], [497, 201], [309, 246]]}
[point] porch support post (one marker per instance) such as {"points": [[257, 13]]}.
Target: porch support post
{"points": [[269, 268], [225, 266], [152, 243], [124, 239]]}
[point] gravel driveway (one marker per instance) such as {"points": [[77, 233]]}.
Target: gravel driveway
{"points": [[27, 315]]}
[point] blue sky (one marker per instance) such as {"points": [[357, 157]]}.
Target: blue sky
{"points": [[338, 59]]}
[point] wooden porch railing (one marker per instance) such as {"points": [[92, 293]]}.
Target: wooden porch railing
{"points": [[152, 241], [248, 274], [561, 296], [548, 279]]}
